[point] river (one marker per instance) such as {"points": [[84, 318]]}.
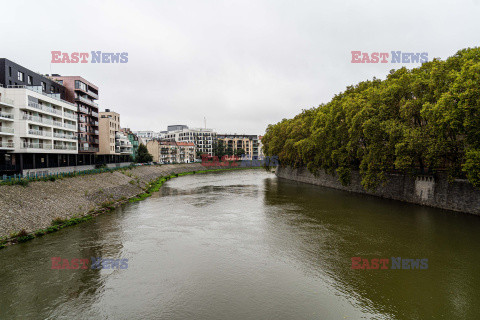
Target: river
{"points": [[247, 245]]}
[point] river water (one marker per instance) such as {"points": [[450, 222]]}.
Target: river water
{"points": [[247, 245]]}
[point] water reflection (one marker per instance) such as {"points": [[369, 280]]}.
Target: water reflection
{"points": [[245, 245]]}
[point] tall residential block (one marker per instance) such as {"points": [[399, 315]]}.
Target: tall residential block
{"points": [[84, 94]]}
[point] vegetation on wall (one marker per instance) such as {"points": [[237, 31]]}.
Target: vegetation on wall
{"points": [[415, 121]]}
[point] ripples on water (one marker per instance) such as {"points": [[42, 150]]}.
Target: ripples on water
{"points": [[245, 245]]}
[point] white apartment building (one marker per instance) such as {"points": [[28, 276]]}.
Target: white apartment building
{"points": [[32, 121], [122, 143], [147, 135], [165, 152], [202, 138]]}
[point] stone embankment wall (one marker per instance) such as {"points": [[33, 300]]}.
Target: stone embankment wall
{"points": [[35, 206], [434, 191]]}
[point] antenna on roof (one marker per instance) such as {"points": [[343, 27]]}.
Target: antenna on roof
{"points": [[205, 121]]}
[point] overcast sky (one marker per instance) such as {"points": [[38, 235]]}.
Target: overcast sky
{"points": [[241, 64]]}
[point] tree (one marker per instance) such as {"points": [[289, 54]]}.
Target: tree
{"points": [[422, 120], [143, 155], [239, 152]]}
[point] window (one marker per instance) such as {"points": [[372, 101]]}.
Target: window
{"points": [[52, 89], [30, 80], [44, 86], [9, 71], [80, 85], [20, 76]]}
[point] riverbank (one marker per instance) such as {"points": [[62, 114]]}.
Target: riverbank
{"points": [[37, 206], [433, 191]]}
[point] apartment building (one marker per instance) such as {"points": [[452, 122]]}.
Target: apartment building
{"points": [[147, 135], [202, 138], [134, 140], [123, 145], [84, 94], [37, 129], [235, 142], [109, 125], [165, 152], [13, 74]]}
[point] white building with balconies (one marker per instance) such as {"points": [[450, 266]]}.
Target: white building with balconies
{"points": [[32, 121], [203, 138]]}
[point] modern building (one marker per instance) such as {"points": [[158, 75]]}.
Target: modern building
{"points": [[37, 129], [123, 145], [234, 142], [147, 135], [166, 152], [84, 94], [202, 138], [109, 125], [12, 74], [134, 140]]}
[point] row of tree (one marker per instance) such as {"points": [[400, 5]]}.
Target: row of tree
{"points": [[416, 121]]}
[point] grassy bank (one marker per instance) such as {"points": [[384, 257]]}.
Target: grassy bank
{"points": [[58, 223]]}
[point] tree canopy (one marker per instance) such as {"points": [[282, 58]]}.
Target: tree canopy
{"points": [[421, 120], [143, 155]]}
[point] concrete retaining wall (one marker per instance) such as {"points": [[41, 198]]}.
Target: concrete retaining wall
{"points": [[431, 191]]}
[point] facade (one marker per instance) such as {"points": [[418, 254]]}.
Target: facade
{"points": [[165, 152], [134, 140], [84, 94], [37, 129], [147, 135], [109, 124], [247, 143], [123, 145], [12, 74], [202, 138]]}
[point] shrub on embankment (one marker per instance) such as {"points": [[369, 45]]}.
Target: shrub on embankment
{"points": [[422, 120]]}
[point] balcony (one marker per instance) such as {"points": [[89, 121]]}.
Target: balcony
{"points": [[36, 119], [57, 123], [44, 146], [65, 147], [70, 126], [38, 106], [38, 89], [8, 131], [85, 100], [6, 101], [83, 110], [6, 116], [65, 136], [94, 114], [7, 145], [70, 116], [92, 94], [36, 132]]}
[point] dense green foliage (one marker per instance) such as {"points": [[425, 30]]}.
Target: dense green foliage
{"points": [[415, 121], [143, 156]]}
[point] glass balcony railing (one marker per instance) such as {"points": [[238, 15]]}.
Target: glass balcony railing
{"points": [[6, 101], [6, 115], [29, 145], [38, 89], [36, 132], [36, 119], [6, 130], [69, 126], [65, 147], [7, 145]]}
